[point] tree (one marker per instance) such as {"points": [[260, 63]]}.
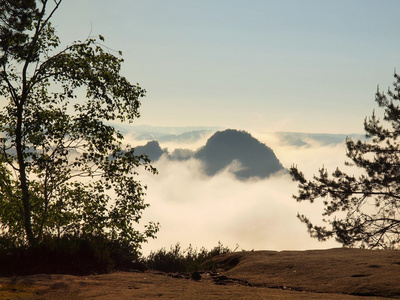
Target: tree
{"points": [[63, 169], [362, 210]]}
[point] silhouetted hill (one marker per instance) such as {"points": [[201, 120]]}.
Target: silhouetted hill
{"points": [[225, 147], [152, 150], [182, 154], [246, 155]]}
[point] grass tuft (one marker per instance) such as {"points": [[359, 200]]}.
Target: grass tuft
{"points": [[179, 260]]}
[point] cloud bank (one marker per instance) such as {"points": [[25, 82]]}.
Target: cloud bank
{"points": [[195, 209]]}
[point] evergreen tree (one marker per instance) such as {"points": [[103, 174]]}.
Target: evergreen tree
{"points": [[363, 210]]}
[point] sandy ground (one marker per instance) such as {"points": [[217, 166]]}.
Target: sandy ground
{"points": [[318, 274]]}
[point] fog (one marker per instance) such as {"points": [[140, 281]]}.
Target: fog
{"points": [[256, 214]]}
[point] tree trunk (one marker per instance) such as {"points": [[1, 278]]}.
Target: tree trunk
{"points": [[23, 180]]}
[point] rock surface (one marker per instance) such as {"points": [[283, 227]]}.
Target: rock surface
{"points": [[316, 274]]}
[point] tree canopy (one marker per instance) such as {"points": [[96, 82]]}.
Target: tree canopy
{"points": [[64, 170], [362, 210]]}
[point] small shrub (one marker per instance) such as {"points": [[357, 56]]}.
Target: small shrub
{"points": [[178, 260], [79, 255]]}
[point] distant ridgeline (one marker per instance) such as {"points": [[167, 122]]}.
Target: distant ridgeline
{"points": [[300, 139], [166, 134], [245, 155]]}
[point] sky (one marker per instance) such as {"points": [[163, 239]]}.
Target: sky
{"points": [[259, 65]]}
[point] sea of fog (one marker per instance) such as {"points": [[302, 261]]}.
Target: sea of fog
{"points": [[194, 209]]}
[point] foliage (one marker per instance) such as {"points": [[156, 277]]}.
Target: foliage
{"points": [[178, 260], [370, 202], [64, 170], [69, 255]]}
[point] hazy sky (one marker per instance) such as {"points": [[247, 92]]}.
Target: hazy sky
{"points": [[260, 66], [284, 65]]}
